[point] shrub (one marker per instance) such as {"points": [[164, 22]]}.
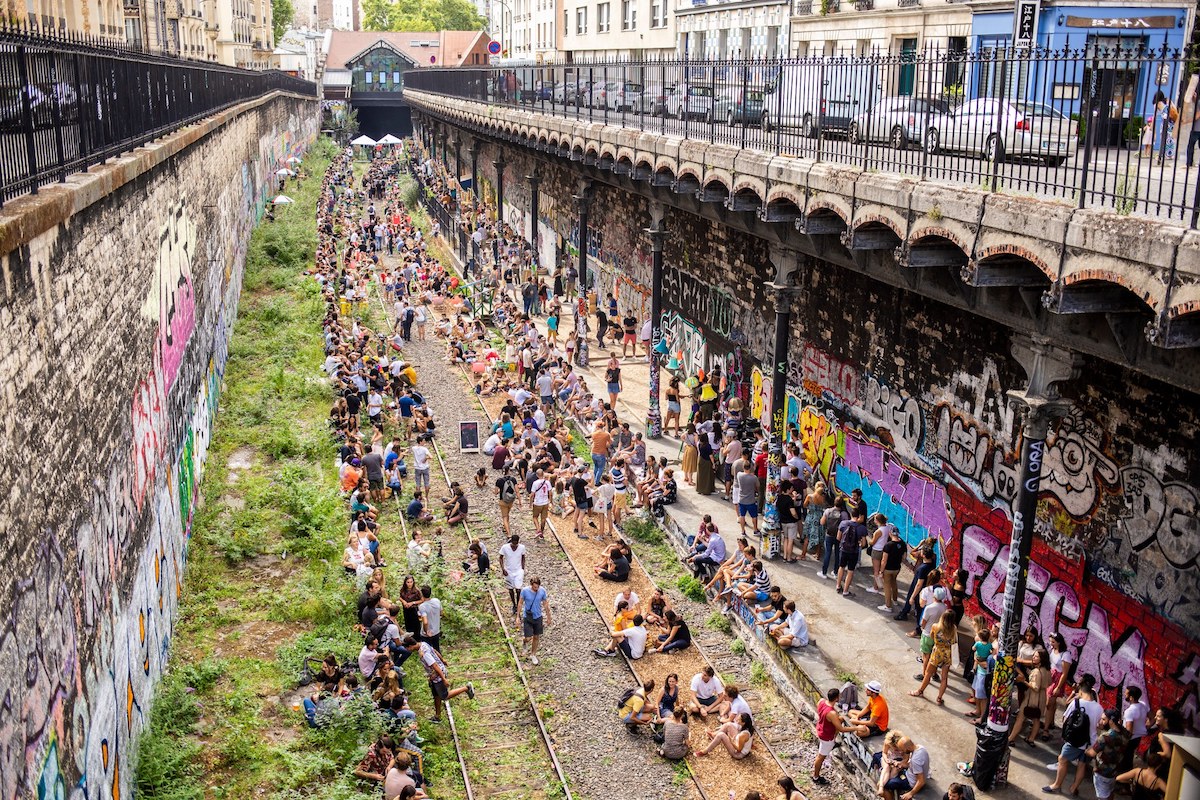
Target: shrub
{"points": [[692, 589]]}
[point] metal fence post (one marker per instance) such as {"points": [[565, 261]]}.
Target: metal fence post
{"points": [[27, 118]]}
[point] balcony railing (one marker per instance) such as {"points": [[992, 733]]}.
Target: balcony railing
{"points": [[1004, 120], [864, 5], [76, 103], [908, 3]]}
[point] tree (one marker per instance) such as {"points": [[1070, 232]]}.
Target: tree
{"points": [[282, 14], [420, 15]]}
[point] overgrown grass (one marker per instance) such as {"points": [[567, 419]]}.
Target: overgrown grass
{"points": [[719, 622], [691, 588]]}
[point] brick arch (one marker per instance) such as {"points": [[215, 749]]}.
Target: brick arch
{"points": [[720, 176], [1107, 276], [688, 170], [817, 206], [644, 162], [1020, 252], [608, 149], [791, 194], [934, 232], [747, 183], [625, 154], [667, 163], [1189, 310], [880, 221]]}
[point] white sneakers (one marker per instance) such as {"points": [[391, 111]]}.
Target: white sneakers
{"points": [[872, 590], [885, 608], [533, 659], [822, 575]]}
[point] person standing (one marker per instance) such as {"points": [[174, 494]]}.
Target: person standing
{"points": [[612, 379], [421, 463], [534, 610], [829, 725], [512, 567], [540, 492], [506, 494], [430, 614], [436, 672], [789, 520]]}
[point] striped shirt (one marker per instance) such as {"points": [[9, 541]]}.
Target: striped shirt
{"points": [[762, 582], [618, 479]]}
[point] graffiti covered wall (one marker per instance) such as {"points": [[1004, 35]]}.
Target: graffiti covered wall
{"points": [[907, 400], [122, 317]]}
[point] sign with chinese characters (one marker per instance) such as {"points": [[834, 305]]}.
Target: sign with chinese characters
{"points": [[1129, 23], [1026, 22]]}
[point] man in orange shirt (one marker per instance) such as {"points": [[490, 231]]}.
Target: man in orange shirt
{"points": [[601, 442], [872, 720], [351, 476]]}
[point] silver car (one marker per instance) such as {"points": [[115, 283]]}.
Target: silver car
{"points": [[690, 100], [999, 129], [623, 96], [900, 121]]}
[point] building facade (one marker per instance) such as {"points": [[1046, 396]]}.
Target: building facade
{"points": [[234, 32], [733, 29], [528, 30], [623, 29]]}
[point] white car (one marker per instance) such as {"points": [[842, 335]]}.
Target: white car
{"points": [[999, 129], [623, 96], [690, 100]]}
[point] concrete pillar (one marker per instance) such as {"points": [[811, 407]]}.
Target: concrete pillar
{"points": [[1045, 366], [534, 202], [499, 166], [583, 201], [475, 148], [783, 289], [658, 234]]}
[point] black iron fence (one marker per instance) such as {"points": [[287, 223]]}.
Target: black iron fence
{"points": [[67, 104], [1101, 126]]}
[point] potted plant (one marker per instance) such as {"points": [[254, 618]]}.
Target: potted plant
{"points": [[1133, 132]]}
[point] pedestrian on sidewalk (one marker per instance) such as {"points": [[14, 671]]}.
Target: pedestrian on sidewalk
{"points": [[601, 326], [706, 462], [534, 611], [506, 494], [629, 334], [893, 556], [879, 538], [747, 488], [612, 379], [674, 405], [789, 520], [852, 537], [540, 493], [815, 504], [689, 459]]}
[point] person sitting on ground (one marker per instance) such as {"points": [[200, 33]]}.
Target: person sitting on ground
{"points": [[678, 636], [734, 568], [707, 691], [481, 478], [675, 734], [636, 710], [872, 720], [399, 784], [732, 704], [477, 562], [458, 508], [793, 632], [736, 737], [374, 765], [630, 641], [615, 569], [659, 605], [771, 612], [416, 509]]}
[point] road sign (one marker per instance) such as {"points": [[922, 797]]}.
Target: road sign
{"points": [[468, 437], [433, 59], [494, 47], [1025, 23]]}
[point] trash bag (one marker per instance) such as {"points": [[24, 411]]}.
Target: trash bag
{"points": [[991, 758]]}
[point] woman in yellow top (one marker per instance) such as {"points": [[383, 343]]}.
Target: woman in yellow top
{"points": [[623, 618], [945, 636]]}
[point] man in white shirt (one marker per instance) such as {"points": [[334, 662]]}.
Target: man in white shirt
{"points": [[1134, 717], [512, 567], [539, 495], [793, 631], [493, 441], [421, 463], [631, 641], [1074, 750], [629, 596], [734, 705], [707, 689]]}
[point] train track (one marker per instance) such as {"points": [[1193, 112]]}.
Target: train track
{"points": [[486, 743]]}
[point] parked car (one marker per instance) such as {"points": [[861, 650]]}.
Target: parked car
{"points": [[737, 106], [999, 129], [623, 96], [690, 100], [568, 92], [818, 98], [654, 99], [596, 94], [900, 121]]}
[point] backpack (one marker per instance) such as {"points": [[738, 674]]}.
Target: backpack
{"points": [[508, 491], [626, 696], [1076, 727]]}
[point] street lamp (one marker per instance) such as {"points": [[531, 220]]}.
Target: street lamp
{"points": [[504, 41]]}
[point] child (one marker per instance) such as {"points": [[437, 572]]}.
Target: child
{"points": [[481, 477], [558, 500], [983, 667]]}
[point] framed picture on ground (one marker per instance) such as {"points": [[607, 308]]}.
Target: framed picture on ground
{"points": [[468, 437]]}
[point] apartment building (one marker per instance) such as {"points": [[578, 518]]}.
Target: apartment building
{"points": [[621, 29], [732, 28], [234, 32], [526, 29]]}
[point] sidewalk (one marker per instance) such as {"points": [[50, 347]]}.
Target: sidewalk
{"points": [[850, 635]]}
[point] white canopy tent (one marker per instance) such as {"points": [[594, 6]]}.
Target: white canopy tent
{"points": [[364, 141], [389, 139]]}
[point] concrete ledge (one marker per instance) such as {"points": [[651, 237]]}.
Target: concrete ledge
{"points": [[798, 675], [25, 218], [1134, 252]]}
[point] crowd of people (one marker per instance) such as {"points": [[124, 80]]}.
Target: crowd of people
{"points": [[524, 357]]}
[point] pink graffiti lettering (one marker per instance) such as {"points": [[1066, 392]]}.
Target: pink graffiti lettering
{"points": [[836, 377], [924, 499]]}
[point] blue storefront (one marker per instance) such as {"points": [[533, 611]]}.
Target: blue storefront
{"points": [[1122, 56]]}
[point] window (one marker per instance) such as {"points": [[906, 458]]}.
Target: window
{"points": [[628, 15], [581, 21], [396, 78], [369, 76], [658, 13], [603, 17]]}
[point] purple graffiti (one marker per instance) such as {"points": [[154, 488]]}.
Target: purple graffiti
{"points": [[921, 498]]}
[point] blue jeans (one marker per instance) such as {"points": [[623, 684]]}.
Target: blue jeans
{"points": [[827, 558], [598, 464]]}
